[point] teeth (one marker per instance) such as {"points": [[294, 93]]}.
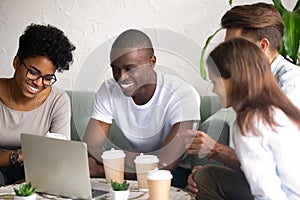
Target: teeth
{"points": [[126, 85], [33, 88]]}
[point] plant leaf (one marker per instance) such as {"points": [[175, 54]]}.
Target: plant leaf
{"points": [[119, 186], [291, 36], [202, 67], [278, 5], [25, 189], [297, 6]]}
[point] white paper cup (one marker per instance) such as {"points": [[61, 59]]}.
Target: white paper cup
{"points": [[144, 164], [113, 161], [56, 136], [159, 184]]}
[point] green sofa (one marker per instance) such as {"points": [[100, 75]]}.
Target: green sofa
{"points": [[214, 120]]}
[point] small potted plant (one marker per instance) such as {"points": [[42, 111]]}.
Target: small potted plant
{"points": [[25, 192], [120, 191]]}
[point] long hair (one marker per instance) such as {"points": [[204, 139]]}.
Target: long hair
{"points": [[255, 91], [257, 21]]}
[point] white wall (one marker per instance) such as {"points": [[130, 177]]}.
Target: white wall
{"points": [[178, 29]]}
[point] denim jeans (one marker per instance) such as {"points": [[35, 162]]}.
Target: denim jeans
{"points": [[11, 174]]}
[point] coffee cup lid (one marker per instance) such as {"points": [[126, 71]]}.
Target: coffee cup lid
{"points": [[112, 154], [159, 175], [56, 136], [145, 159]]}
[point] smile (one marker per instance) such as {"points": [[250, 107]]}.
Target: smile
{"points": [[32, 89], [126, 86]]}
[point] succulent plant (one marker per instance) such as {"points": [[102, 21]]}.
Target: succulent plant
{"points": [[25, 189], [116, 186]]}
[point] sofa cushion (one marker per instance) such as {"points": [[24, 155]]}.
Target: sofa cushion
{"points": [[82, 105]]}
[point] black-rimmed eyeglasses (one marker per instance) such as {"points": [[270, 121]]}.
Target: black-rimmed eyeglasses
{"points": [[34, 75]]}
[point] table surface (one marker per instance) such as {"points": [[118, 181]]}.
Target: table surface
{"points": [[7, 193]]}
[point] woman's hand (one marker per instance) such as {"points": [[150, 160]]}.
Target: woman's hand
{"points": [[192, 185]]}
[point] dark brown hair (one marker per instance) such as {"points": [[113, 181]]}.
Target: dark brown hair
{"points": [[257, 21], [255, 91]]}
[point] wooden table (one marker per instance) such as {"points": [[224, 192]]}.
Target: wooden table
{"points": [[7, 193]]}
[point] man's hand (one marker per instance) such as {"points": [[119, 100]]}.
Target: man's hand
{"points": [[192, 185], [201, 144], [198, 143], [96, 170]]}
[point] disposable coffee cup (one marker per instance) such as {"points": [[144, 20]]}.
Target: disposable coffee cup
{"points": [[113, 161], [56, 136], [144, 164], [159, 184]]}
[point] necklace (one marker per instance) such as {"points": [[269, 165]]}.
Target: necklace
{"points": [[10, 97]]}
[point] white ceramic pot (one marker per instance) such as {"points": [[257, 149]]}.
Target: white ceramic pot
{"points": [[31, 197], [120, 195]]}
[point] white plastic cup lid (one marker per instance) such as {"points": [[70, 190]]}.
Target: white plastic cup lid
{"points": [[56, 136], [146, 159], [159, 175], [113, 154]]}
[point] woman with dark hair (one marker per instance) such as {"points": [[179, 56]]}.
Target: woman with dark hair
{"points": [[266, 132], [28, 101]]}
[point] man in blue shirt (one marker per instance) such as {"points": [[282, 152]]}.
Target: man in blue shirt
{"points": [[262, 24]]}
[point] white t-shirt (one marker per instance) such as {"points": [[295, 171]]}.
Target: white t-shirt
{"points": [[146, 126], [271, 161]]}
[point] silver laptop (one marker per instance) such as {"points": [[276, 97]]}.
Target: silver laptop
{"points": [[57, 167]]}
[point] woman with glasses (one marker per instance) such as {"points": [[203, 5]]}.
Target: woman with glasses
{"points": [[28, 101]]}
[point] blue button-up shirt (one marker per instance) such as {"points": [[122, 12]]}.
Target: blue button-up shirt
{"points": [[288, 77]]}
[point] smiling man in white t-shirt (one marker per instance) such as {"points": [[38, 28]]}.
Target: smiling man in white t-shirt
{"points": [[149, 107]]}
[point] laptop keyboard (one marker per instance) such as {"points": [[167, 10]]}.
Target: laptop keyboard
{"points": [[96, 192]]}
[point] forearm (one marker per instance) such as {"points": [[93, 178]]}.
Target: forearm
{"points": [[226, 155], [170, 155], [96, 168], [5, 158], [95, 136]]}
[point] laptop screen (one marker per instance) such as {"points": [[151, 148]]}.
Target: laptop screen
{"points": [[55, 166]]}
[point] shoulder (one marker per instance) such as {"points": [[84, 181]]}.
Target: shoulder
{"points": [[173, 82], [281, 67], [177, 86], [58, 94], [108, 87], [108, 84]]}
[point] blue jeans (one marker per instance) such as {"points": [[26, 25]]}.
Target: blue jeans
{"points": [[180, 176], [11, 174]]}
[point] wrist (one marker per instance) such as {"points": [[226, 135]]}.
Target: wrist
{"points": [[213, 152], [15, 157]]}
